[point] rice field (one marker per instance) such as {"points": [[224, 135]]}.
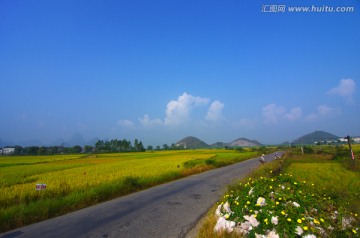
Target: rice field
{"points": [[77, 181]]}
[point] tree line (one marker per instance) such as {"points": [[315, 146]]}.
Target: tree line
{"points": [[101, 146], [118, 146]]}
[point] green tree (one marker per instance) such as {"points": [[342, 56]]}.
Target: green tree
{"points": [[88, 148], [76, 149], [42, 150]]}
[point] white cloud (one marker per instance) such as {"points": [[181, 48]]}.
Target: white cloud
{"points": [[178, 111], [272, 113], [322, 112], [146, 121], [215, 112], [345, 89], [126, 123], [294, 114]]}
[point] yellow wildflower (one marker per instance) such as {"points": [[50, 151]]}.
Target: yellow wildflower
{"points": [[299, 221], [305, 228]]}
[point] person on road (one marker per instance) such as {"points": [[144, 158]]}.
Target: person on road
{"points": [[262, 159]]}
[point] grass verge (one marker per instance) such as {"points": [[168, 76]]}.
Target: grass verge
{"points": [[298, 196]]}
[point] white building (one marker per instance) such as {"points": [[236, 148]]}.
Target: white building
{"points": [[7, 151]]}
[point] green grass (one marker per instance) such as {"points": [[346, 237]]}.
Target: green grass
{"points": [[324, 186], [77, 181]]}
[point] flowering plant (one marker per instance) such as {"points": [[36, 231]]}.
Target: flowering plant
{"points": [[279, 206]]}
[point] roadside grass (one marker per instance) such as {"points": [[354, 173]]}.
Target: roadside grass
{"points": [[326, 189], [78, 181]]}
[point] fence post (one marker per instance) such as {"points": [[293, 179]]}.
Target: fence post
{"points": [[351, 151]]}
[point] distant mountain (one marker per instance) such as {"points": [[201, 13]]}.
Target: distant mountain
{"points": [[93, 141], [243, 142], [191, 142], [76, 139], [195, 143], [314, 137]]}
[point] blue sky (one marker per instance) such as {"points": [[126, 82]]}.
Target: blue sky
{"points": [[162, 70]]}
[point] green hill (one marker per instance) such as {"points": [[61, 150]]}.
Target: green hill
{"points": [[316, 137], [191, 142]]}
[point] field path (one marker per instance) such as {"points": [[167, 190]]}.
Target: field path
{"points": [[168, 210]]}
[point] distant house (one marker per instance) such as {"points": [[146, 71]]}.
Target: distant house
{"points": [[1, 151], [355, 139], [7, 151]]}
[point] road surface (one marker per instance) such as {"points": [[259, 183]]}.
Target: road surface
{"points": [[168, 210]]}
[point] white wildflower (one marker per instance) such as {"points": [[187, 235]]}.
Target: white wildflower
{"points": [[260, 201], [218, 211], [223, 224], [274, 220], [296, 204], [309, 236], [299, 230], [259, 236], [272, 234], [245, 226], [251, 191], [252, 220], [226, 208]]}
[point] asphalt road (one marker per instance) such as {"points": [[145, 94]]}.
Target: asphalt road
{"points": [[168, 210]]}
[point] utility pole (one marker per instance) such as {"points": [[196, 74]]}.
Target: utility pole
{"points": [[351, 151]]}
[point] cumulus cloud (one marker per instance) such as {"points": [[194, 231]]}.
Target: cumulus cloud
{"points": [[126, 123], [272, 113], [178, 111], [322, 111], [146, 121], [345, 89], [294, 114], [215, 112]]}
